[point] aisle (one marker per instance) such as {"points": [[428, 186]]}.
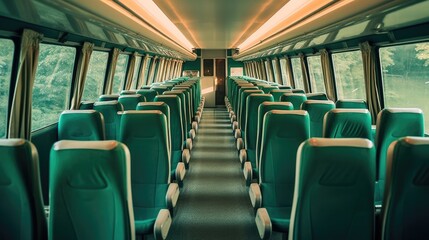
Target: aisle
{"points": [[214, 203]]}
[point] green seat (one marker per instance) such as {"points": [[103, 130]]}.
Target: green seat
{"points": [[300, 91], [240, 92], [178, 158], [269, 88], [110, 110], [295, 98], [406, 199], [184, 114], [283, 132], [108, 97], [285, 87], [242, 110], [334, 190], [21, 206], [251, 133], [393, 123], [130, 101], [81, 125], [277, 93], [128, 92], [262, 110], [351, 103], [159, 89], [90, 191], [317, 110], [149, 94], [86, 105], [317, 96], [146, 135], [347, 123]]}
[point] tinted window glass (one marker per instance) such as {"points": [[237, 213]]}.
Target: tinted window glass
{"points": [[120, 72], [136, 72], [316, 74], [6, 58], [349, 78], [297, 73], [95, 77]]}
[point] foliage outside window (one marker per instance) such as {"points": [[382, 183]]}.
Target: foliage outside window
{"points": [[316, 74], [95, 77], [136, 72], [6, 58], [120, 73], [285, 76], [51, 90], [405, 74], [349, 76], [297, 73]]}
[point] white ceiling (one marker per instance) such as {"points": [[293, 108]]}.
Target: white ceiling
{"points": [[219, 24]]}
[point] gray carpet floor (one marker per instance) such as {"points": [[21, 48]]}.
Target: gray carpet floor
{"points": [[214, 202]]}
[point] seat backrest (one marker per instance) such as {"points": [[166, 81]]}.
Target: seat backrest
{"points": [[284, 87], [90, 191], [110, 110], [108, 97], [283, 131], [251, 123], [262, 110], [149, 94], [176, 127], [406, 209], [22, 214], [317, 110], [240, 91], [183, 109], [277, 93], [301, 91], [347, 123], [351, 103], [269, 88], [394, 123], [317, 96], [85, 105], [81, 125], [128, 92], [145, 133], [130, 101], [344, 170], [295, 98], [242, 106], [159, 89]]}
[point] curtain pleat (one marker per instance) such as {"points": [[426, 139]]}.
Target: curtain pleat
{"points": [[289, 72], [81, 72], [328, 74], [371, 84], [150, 79], [142, 72], [111, 71], [20, 115], [130, 71], [304, 68]]}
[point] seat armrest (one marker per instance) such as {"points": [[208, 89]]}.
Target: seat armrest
{"points": [[234, 125], [237, 133], [192, 133], [162, 224], [186, 157], [172, 195], [240, 144], [195, 126], [180, 171], [242, 155], [188, 144], [263, 223], [248, 172], [255, 195]]}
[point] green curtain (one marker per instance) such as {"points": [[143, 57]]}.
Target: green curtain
{"points": [[81, 72], [328, 74], [20, 115], [372, 85], [111, 71]]}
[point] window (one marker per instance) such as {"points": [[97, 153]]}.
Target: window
{"points": [[51, 92], [6, 58], [316, 74], [136, 72], [348, 72], [405, 74], [146, 71], [120, 73], [297, 73], [96, 74], [274, 64], [283, 68]]}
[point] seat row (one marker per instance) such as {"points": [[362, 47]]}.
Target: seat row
{"points": [[273, 132], [100, 189]]}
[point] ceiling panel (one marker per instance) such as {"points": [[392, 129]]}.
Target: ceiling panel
{"points": [[219, 24]]}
